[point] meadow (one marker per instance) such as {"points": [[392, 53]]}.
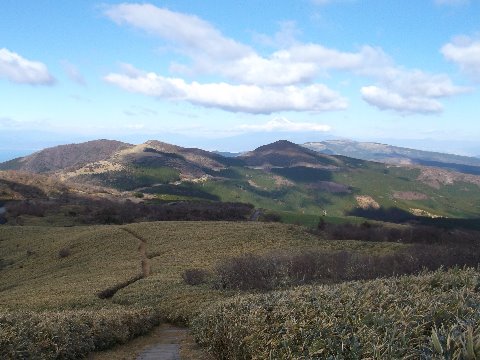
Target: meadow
{"points": [[53, 278]]}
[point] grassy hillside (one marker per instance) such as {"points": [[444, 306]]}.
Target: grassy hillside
{"points": [[111, 283], [58, 273]]}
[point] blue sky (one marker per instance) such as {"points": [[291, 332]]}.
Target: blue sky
{"points": [[235, 74]]}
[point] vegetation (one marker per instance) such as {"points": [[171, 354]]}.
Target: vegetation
{"points": [[70, 334], [432, 315], [79, 211], [280, 270], [104, 257]]}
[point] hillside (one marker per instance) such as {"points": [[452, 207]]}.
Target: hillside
{"points": [[65, 292], [396, 155], [284, 153], [283, 177], [65, 156]]}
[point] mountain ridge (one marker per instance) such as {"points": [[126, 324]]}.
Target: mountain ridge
{"points": [[373, 151], [282, 176]]}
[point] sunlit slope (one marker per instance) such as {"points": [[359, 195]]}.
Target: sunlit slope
{"points": [[34, 276]]}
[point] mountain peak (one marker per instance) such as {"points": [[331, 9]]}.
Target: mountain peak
{"points": [[66, 156], [284, 153]]}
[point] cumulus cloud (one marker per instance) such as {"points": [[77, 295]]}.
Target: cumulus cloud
{"points": [[302, 63], [17, 69], [410, 91], [285, 37], [212, 52], [386, 99], [237, 98], [194, 35], [465, 52], [281, 81], [283, 124]]}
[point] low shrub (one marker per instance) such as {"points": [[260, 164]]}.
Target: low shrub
{"points": [[70, 334], [416, 234], [275, 270], [395, 318], [195, 276], [64, 252], [250, 272]]}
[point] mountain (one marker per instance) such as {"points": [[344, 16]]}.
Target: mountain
{"points": [[65, 156], [284, 153], [396, 155], [281, 176], [228, 153]]}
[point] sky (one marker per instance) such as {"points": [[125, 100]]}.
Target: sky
{"points": [[233, 75]]}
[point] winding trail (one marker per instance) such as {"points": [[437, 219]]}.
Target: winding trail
{"points": [[142, 250], [145, 266]]}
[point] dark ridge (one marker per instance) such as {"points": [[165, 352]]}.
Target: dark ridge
{"points": [[65, 156]]}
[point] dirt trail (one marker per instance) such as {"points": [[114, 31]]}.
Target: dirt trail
{"points": [[168, 346], [166, 342], [142, 250], [144, 263]]}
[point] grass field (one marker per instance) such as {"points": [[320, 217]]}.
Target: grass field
{"points": [[50, 273], [36, 278]]}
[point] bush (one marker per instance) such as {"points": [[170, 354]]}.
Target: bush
{"points": [[250, 272], [391, 318], [274, 270], [64, 252], [195, 276], [417, 234], [69, 334]]}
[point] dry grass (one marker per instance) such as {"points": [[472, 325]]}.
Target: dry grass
{"points": [[34, 278], [428, 316]]}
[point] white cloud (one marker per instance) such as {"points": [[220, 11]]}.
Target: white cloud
{"points": [[281, 81], [465, 52], [73, 73], [194, 35], [212, 52], [17, 69], [285, 37], [410, 91], [237, 98], [385, 99], [283, 124]]}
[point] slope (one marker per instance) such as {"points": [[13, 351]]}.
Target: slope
{"points": [[396, 155], [65, 156]]}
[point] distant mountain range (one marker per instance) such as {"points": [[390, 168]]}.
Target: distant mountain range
{"points": [[396, 155], [281, 176]]}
